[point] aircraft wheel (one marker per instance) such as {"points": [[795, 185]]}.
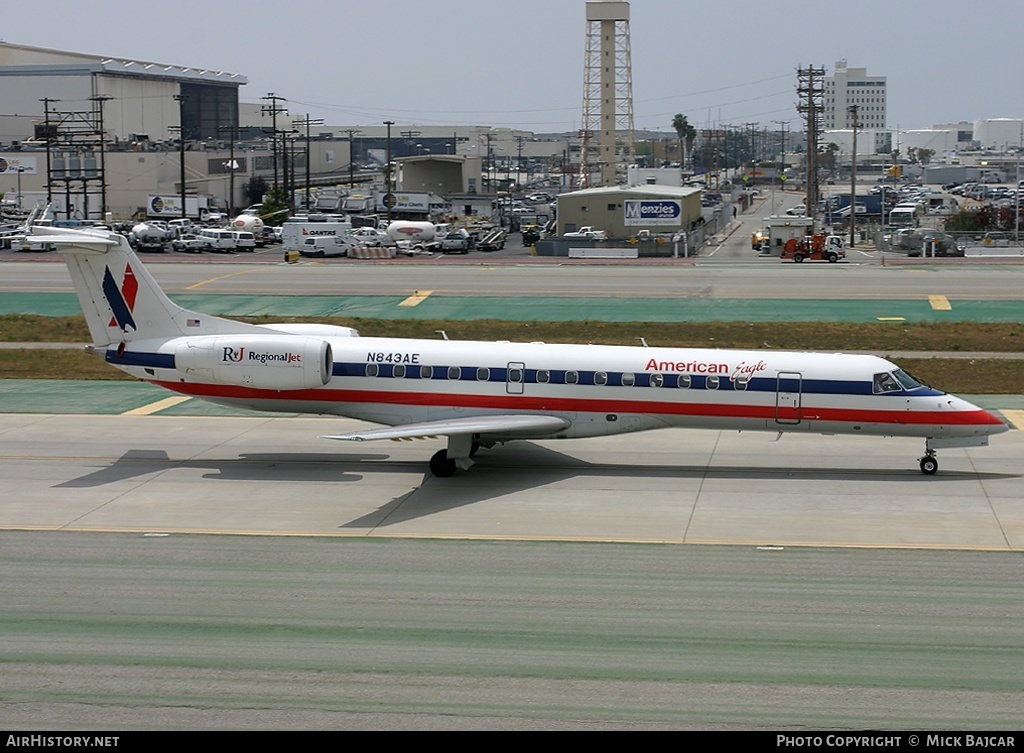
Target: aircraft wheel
{"points": [[441, 466], [798, 258], [929, 465]]}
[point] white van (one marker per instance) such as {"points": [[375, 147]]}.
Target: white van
{"points": [[244, 241], [324, 245], [219, 240]]}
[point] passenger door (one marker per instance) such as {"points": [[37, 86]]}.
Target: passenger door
{"points": [[788, 397]]}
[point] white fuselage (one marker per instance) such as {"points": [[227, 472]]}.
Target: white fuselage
{"points": [[597, 389]]}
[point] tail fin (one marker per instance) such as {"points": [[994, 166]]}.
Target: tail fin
{"points": [[121, 300]]}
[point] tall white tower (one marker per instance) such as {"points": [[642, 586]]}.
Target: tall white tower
{"points": [[607, 93]]}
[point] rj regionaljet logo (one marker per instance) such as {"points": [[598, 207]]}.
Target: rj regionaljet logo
{"points": [[121, 299]]}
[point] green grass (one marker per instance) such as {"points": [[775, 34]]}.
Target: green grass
{"points": [[990, 376]]}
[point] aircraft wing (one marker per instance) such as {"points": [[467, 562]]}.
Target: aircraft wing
{"points": [[510, 425]]}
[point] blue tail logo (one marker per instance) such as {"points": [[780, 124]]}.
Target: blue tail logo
{"points": [[121, 299]]}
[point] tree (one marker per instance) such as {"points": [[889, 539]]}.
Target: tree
{"points": [[254, 189], [924, 156], [275, 204], [686, 133]]}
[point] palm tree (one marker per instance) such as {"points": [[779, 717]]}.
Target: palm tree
{"points": [[687, 135]]}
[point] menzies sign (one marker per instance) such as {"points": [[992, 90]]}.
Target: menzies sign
{"points": [[653, 212]]}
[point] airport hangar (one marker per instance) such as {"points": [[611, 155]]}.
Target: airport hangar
{"points": [[140, 107]]}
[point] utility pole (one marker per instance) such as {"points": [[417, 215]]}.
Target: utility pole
{"points": [[853, 176], [308, 122], [180, 98], [49, 142], [519, 158], [272, 110], [810, 86], [351, 156], [388, 198], [99, 99]]}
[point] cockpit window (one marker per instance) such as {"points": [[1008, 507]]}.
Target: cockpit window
{"points": [[905, 379], [885, 382]]}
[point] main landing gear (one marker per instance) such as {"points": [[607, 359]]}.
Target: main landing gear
{"points": [[929, 463], [458, 456]]}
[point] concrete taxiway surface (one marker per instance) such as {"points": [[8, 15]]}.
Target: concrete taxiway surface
{"points": [[272, 475]]}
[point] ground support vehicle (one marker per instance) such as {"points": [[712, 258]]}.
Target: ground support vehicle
{"points": [[818, 247], [492, 241], [151, 236]]}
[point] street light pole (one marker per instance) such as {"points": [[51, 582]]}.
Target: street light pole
{"points": [[853, 179], [181, 141], [19, 171]]}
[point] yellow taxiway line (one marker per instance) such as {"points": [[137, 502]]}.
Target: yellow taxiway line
{"points": [[416, 298], [159, 405]]}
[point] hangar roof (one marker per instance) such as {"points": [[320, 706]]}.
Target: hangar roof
{"points": [[18, 59], [654, 191]]}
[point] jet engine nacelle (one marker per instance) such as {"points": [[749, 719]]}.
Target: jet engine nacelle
{"points": [[274, 362]]}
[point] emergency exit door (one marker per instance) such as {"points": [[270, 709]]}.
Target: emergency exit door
{"points": [[515, 378]]}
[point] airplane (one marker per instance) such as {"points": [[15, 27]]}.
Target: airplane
{"points": [[480, 394]]}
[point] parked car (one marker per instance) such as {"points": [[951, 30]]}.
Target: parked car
{"points": [[799, 210]]}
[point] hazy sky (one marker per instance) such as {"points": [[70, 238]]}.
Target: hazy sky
{"points": [[519, 63]]}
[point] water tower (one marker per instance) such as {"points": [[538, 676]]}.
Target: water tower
{"points": [[607, 134]]}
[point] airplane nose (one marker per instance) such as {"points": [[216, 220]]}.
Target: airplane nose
{"points": [[989, 423]]}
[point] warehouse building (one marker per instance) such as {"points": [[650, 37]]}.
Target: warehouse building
{"points": [[626, 211]]}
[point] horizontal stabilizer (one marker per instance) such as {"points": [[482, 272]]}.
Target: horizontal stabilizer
{"points": [[503, 426], [68, 243]]}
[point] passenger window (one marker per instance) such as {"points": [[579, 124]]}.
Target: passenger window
{"points": [[483, 374], [600, 378], [684, 381], [399, 371], [454, 372], [571, 377], [426, 372], [515, 376], [740, 383], [371, 369], [657, 380], [543, 376], [711, 383], [628, 380]]}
